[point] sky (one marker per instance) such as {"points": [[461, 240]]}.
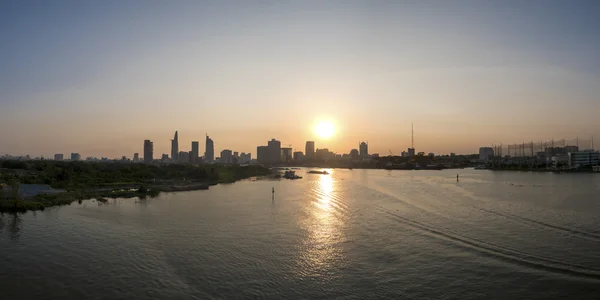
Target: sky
{"points": [[99, 77]]}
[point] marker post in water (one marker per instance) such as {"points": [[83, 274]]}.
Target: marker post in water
{"points": [[273, 194]]}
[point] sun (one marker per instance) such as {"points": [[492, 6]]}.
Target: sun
{"points": [[325, 129]]}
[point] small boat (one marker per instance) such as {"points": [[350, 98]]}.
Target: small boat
{"points": [[291, 175], [319, 172]]}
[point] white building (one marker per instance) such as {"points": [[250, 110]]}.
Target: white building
{"points": [[486, 153], [584, 159]]}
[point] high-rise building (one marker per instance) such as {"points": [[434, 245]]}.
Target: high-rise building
{"points": [[58, 156], [286, 155], [274, 151], [164, 157], [75, 156], [411, 152], [194, 154], [209, 154], [245, 158], [309, 152], [236, 157], [262, 154], [175, 147], [226, 156], [148, 151], [136, 157], [363, 149], [486, 153]]}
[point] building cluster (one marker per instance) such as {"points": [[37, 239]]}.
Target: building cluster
{"points": [[274, 153], [566, 157], [193, 156], [187, 157]]}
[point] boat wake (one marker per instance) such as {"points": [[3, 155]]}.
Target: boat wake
{"points": [[497, 251]]}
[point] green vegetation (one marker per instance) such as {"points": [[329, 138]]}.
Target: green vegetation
{"points": [[86, 180]]}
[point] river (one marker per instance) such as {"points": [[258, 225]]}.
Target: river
{"points": [[353, 234]]}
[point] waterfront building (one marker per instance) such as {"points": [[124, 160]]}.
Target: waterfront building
{"points": [[209, 154], [194, 154], [363, 149], [309, 150], [286, 155], [298, 156], [58, 156], [175, 147], [559, 161], [274, 151], [486, 153], [584, 159], [262, 154], [354, 155], [324, 154], [148, 151]]}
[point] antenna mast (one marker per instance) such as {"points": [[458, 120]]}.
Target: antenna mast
{"points": [[412, 135]]}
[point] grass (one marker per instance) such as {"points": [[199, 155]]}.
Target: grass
{"points": [[84, 190]]}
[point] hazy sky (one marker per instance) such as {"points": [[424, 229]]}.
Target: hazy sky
{"points": [[99, 77]]}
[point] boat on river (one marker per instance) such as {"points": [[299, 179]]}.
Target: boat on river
{"points": [[291, 175], [319, 172]]}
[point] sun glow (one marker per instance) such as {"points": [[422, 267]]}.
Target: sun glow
{"points": [[325, 129]]}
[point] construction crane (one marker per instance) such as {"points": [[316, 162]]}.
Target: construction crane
{"points": [[390, 159]]}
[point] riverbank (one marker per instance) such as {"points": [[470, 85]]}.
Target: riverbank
{"points": [[79, 181], [540, 170]]}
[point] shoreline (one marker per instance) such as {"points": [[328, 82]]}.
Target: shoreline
{"points": [[49, 200]]}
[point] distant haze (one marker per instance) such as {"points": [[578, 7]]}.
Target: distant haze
{"points": [[99, 77]]}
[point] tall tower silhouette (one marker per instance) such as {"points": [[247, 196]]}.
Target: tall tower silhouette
{"points": [[175, 147]]}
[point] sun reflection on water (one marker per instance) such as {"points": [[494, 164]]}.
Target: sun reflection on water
{"points": [[321, 252]]}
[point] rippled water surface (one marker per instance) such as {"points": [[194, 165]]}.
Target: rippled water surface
{"points": [[354, 234]]}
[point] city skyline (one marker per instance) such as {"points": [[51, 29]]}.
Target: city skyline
{"points": [[97, 79], [362, 146]]}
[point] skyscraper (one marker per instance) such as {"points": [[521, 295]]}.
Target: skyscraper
{"points": [[363, 148], [175, 148], [309, 152], [262, 154], [148, 151], [194, 156], [274, 151], [209, 153]]}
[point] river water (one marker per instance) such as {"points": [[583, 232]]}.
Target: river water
{"points": [[353, 234]]}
